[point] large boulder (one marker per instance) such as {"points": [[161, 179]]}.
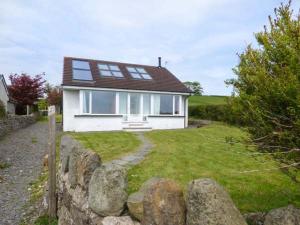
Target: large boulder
{"points": [[283, 216], [123, 220], [87, 162], [208, 203], [135, 200], [107, 190], [164, 204]]}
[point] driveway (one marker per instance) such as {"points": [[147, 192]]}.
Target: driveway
{"points": [[23, 151]]}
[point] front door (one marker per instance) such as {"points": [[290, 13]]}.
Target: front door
{"points": [[135, 114]]}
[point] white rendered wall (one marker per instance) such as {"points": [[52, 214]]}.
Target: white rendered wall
{"points": [[3, 95], [90, 123], [73, 121], [166, 122]]}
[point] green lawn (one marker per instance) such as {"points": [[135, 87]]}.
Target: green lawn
{"points": [[109, 145], [184, 155], [207, 100]]}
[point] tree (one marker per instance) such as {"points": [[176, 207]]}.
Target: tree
{"points": [[268, 83], [195, 86], [54, 96], [26, 89]]}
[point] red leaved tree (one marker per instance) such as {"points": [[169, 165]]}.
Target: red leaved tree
{"points": [[54, 96], [26, 89]]}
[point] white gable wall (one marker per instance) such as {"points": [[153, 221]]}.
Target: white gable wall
{"points": [[3, 94]]}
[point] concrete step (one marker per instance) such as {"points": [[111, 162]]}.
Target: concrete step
{"points": [[137, 129]]}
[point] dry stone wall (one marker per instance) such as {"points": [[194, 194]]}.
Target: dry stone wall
{"points": [[94, 193], [15, 122]]}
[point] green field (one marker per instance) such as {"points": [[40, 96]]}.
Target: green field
{"points": [[207, 100]]}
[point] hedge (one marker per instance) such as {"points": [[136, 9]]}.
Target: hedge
{"points": [[222, 112]]}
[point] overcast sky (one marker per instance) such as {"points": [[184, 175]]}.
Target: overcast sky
{"points": [[197, 39]]}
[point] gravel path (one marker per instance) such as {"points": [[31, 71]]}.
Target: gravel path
{"points": [[138, 156], [23, 150]]}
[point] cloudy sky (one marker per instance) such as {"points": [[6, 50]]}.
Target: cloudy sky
{"points": [[197, 39]]}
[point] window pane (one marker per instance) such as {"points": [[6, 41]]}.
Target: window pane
{"points": [[177, 107], [114, 67], [78, 64], [141, 70], [117, 74], [82, 75], [146, 76], [156, 104], [166, 104], [123, 102], [103, 102], [146, 104], [106, 73], [103, 67], [131, 69], [86, 102], [135, 103], [136, 75]]}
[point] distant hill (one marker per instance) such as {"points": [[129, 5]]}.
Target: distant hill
{"points": [[207, 100]]}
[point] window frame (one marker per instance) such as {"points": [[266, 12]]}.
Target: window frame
{"points": [[110, 70], [117, 103], [81, 69]]}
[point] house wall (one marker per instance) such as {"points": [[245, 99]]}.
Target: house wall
{"points": [[3, 94], [73, 121]]}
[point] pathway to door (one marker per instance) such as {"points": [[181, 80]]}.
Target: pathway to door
{"points": [[22, 151], [139, 155]]}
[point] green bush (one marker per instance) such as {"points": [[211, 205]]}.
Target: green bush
{"points": [[2, 110], [208, 112]]}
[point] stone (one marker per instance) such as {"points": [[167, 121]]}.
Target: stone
{"points": [[255, 218], [67, 145], [64, 216], [73, 162], [135, 205], [123, 220], [107, 190], [87, 162], [135, 200], [208, 203], [164, 204], [289, 215], [78, 217]]}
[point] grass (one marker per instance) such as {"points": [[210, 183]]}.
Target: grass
{"points": [[109, 145], [4, 165], [207, 100], [184, 155], [58, 118]]}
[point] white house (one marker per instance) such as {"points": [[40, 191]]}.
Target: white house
{"points": [[103, 96], [4, 96]]}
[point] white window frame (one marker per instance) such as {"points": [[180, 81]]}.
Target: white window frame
{"points": [[117, 101]]}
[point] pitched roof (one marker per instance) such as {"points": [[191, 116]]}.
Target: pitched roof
{"points": [[162, 79]]}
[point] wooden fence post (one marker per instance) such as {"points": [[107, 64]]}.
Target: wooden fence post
{"points": [[51, 162]]}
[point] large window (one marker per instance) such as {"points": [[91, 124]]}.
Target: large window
{"points": [[135, 99], [123, 99], [146, 104], [81, 70], [104, 102]]}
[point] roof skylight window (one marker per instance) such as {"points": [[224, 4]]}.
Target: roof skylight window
{"points": [[138, 73], [81, 70], [109, 70]]}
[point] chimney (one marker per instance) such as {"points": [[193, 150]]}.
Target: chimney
{"points": [[159, 62]]}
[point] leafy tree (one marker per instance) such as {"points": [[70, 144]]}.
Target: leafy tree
{"points": [[54, 96], [195, 86], [268, 83], [26, 89]]}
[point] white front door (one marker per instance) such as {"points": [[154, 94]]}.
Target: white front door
{"points": [[135, 114]]}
